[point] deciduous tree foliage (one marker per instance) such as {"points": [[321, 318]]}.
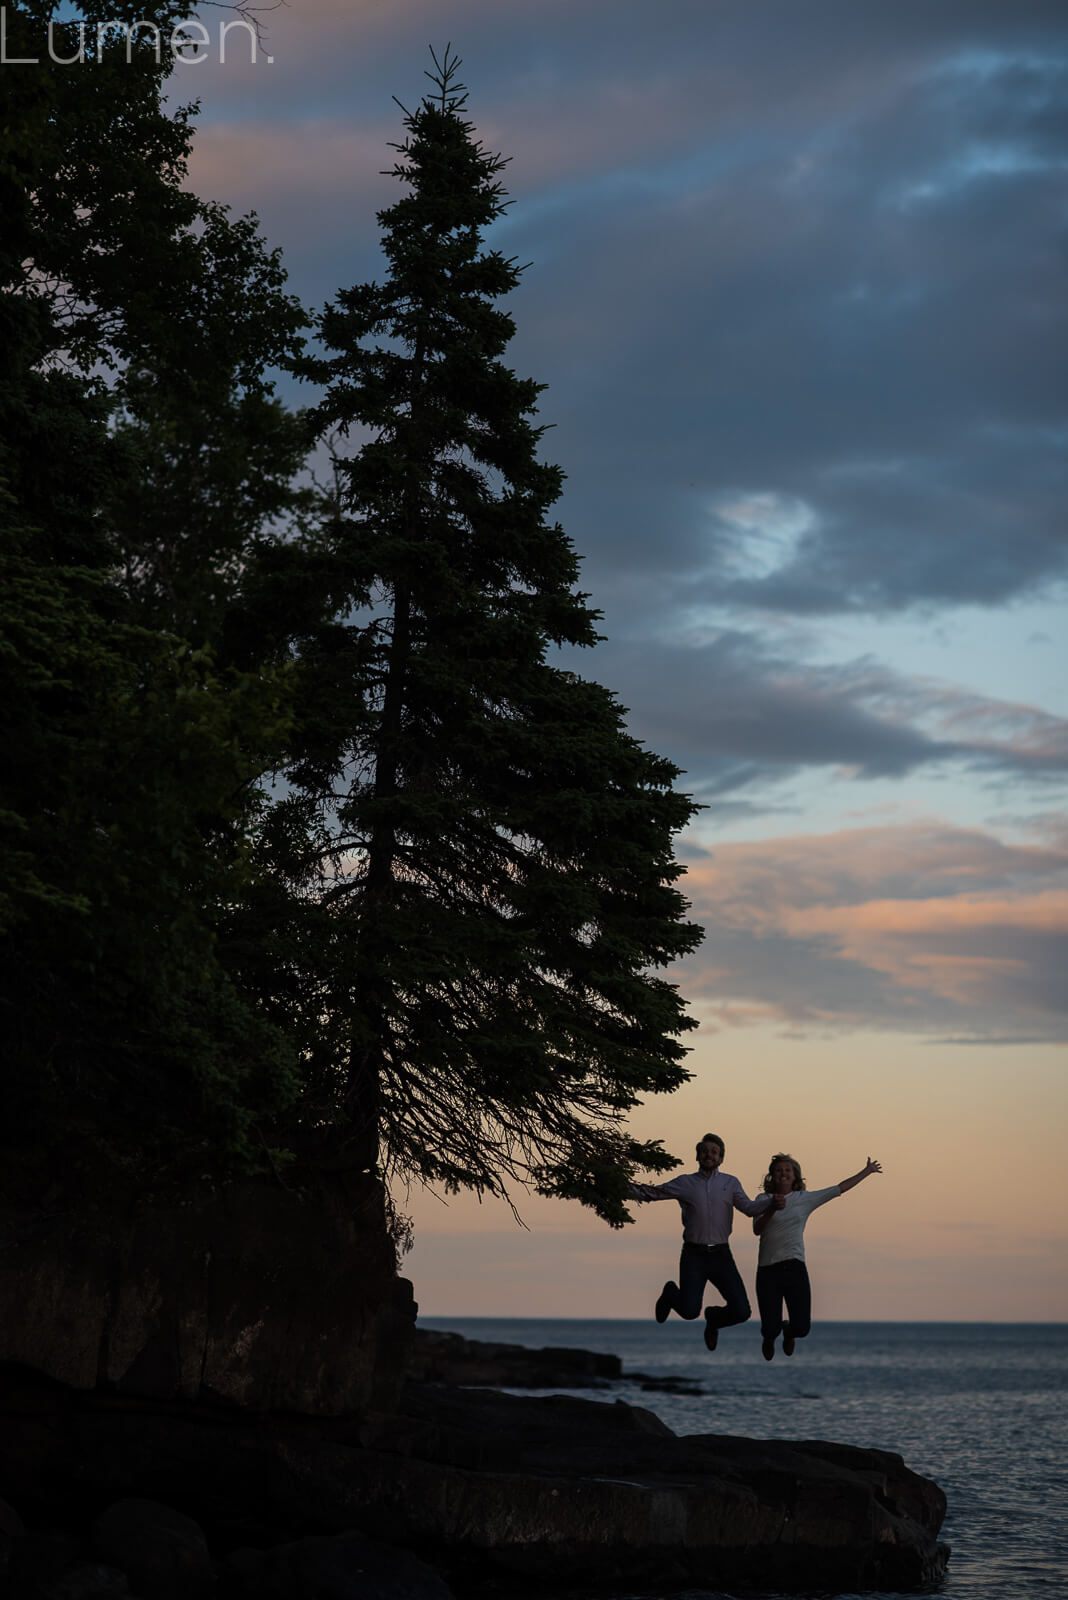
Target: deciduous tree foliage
{"points": [[483, 853]]}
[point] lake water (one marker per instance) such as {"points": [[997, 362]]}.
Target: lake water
{"points": [[980, 1407]]}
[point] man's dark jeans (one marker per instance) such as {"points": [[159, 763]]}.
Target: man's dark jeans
{"points": [[700, 1264], [785, 1280]]}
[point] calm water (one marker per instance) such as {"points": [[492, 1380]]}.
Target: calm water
{"points": [[981, 1408]]}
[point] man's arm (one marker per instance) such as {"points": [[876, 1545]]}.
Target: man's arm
{"points": [[752, 1208], [653, 1191], [851, 1183]]}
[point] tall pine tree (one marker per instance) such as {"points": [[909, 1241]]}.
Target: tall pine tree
{"points": [[483, 853]]}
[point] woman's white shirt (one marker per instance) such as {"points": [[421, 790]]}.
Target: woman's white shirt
{"points": [[783, 1236]]}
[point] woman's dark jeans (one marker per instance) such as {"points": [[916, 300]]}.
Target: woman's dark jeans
{"points": [[786, 1280], [700, 1264]]}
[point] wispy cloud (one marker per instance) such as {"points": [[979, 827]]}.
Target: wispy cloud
{"points": [[925, 927], [739, 713]]}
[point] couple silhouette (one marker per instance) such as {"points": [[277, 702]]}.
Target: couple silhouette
{"points": [[709, 1198]]}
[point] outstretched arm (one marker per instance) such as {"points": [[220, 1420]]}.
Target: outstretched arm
{"points": [[851, 1183], [651, 1191]]}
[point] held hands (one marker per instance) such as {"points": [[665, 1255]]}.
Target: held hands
{"points": [[761, 1220]]}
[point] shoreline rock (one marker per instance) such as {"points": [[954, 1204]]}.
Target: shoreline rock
{"points": [[440, 1357], [487, 1493], [543, 1488]]}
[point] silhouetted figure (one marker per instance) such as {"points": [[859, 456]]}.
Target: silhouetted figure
{"points": [[709, 1199], [781, 1271]]}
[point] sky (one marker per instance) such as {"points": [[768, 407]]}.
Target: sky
{"points": [[797, 292]]}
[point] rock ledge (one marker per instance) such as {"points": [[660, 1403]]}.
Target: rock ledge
{"points": [[496, 1493]]}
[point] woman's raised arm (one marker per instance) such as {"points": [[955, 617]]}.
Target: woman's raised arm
{"points": [[851, 1183]]}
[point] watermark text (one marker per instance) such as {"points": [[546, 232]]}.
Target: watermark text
{"points": [[79, 44]]}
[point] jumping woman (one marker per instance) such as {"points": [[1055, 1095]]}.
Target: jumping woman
{"points": [[781, 1271]]}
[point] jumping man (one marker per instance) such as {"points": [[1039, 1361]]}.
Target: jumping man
{"points": [[709, 1199]]}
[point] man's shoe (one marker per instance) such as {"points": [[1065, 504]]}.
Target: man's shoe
{"points": [[787, 1342], [663, 1304], [768, 1347], [711, 1331]]}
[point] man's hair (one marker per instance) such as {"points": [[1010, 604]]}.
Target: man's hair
{"points": [[711, 1138], [769, 1180]]}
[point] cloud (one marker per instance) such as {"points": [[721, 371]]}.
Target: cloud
{"points": [[923, 928], [738, 713], [861, 317], [805, 257]]}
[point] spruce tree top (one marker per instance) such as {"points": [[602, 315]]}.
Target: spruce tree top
{"points": [[493, 849]]}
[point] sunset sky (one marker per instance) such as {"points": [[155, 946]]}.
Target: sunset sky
{"points": [[797, 289]]}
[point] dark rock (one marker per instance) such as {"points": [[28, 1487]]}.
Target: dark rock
{"points": [[163, 1553], [513, 1493], [450, 1358], [12, 1529], [439, 1357], [87, 1580], [268, 1297], [11, 1524], [346, 1567], [37, 1561], [684, 1386], [549, 1487]]}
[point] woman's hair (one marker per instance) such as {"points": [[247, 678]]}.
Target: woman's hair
{"points": [[711, 1138], [769, 1180]]}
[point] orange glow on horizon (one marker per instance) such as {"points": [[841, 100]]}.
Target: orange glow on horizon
{"points": [[957, 1227]]}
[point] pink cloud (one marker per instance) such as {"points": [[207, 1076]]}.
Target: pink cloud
{"points": [[316, 171], [926, 927]]}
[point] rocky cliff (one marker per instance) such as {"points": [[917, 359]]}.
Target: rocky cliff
{"points": [[272, 1297], [209, 1395]]}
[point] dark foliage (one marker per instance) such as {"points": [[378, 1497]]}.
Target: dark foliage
{"points": [[482, 853], [312, 840], [131, 1037]]}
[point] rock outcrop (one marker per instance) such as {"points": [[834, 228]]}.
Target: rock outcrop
{"points": [[438, 1357], [207, 1394], [143, 1548], [274, 1298], [496, 1493], [548, 1488]]}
